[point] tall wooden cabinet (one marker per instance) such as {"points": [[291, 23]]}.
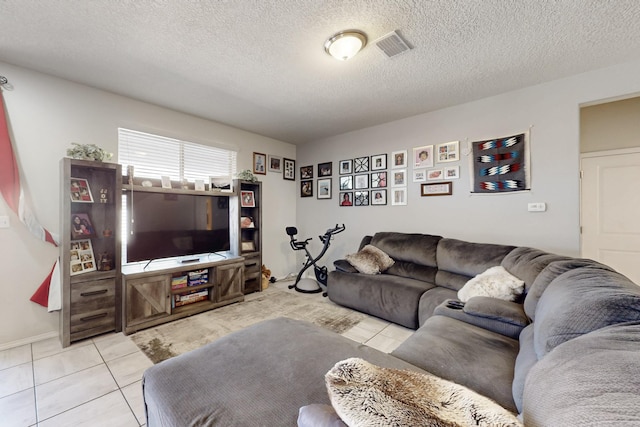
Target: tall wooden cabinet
{"points": [[245, 222], [90, 249]]}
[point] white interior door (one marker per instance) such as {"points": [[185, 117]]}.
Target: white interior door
{"points": [[611, 210]]}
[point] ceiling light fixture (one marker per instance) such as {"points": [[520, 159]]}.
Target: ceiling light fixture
{"points": [[345, 44]]}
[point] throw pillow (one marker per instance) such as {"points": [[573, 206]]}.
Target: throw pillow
{"points": [[368, 395], [495, 282], [370, 260]]}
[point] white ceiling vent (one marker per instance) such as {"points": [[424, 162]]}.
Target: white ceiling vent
{"points": [[392, 45]]}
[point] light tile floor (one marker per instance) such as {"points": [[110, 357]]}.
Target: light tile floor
{"points": [[97, 382]]}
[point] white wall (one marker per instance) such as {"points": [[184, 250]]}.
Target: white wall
{"points": [[46, 115], [552, 112]]}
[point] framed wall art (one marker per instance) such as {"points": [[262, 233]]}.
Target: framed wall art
{"points": [[259, 163], [346, 198], [361, 164], [306, 172], [361, 181], [361, 198], [399, 159], [325, 169], [324, 188], [423, 156], [81, 227], [289, 169], [306, 188], [346, 166], [437, 189], [247, 199], [399, 196], [346, 182], [452, 172], [419, 175], [378, 179], [434, 174], [378, 197], [378, 162], [275, 164], [448, 152], [82, 259], [80, 191], [399, 178]]}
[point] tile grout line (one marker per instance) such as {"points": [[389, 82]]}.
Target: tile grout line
{"points": [[33, 377]]}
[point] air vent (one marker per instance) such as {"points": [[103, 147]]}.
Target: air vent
{"points": [[392, 45]]}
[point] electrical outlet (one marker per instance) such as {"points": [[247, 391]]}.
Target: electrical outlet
{"points": [[4, 221], [537, 207]]}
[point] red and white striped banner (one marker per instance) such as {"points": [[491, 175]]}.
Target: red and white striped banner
{"points": [[13, 195]]}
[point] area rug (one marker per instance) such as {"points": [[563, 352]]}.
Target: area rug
{"points": [[177, 337]]}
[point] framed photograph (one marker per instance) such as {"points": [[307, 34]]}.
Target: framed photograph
{"points": [[361, 164], [398, 196], [346, 182], [166, 181], [82, 259], [378, 179], [306, 188], [324, 169], [399, 159], [81, 227], [399, 178], [346, 166], [248, 246], [259, 163], [378, 197], [275, 164], [346, 198], [361, 198], [437, 189], [246, 222], [289, 171], [324, 188], [452, 172], [448, 152], [247, 200], [80, 191], [199, 185], [435, 174], [378, 162], [222, 184], [423, 156], [419, 175], [306, 172], [362, 181]]}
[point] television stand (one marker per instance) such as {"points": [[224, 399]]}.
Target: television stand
{"points": [[164, 292]]}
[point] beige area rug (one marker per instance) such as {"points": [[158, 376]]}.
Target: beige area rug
{"points": [[177, 337]]}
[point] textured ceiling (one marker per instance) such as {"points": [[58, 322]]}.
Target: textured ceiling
{"points": [[260, 65]]}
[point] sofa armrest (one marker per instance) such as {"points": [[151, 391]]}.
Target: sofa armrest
{"points": [[344, 266], [502, 317]]}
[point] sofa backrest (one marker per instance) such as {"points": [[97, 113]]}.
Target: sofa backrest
{"points": [[458, 261], [526, 263], [414, 254]]}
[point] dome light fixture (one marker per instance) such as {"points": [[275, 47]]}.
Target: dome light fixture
{"points": [[345, 44]]}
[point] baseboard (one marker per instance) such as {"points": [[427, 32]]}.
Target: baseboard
{"points": [[28, 340]]}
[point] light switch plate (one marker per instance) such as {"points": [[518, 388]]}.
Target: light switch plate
{"points": [[537, 207]]}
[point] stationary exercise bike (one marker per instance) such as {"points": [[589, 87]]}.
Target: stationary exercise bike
{"points": [[310, 286]]}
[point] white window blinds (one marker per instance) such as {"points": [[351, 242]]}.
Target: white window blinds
{"points": [[153, 156]]}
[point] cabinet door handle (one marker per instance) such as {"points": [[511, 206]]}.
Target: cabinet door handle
{"points": [[95, 316], [91, 293], [251, 265]]}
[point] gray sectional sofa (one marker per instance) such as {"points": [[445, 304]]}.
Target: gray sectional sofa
{"points": [[567, 353]]}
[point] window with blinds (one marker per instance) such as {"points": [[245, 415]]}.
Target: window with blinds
{"points": [[153, 156]]}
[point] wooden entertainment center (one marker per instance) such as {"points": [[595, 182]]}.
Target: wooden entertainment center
{"points": [[100, 294]]}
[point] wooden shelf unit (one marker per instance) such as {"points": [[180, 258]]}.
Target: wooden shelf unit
{"points": [[148, 294], [247, 241], [90, 298]]}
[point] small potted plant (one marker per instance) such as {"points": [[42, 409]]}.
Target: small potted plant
{"points": [[88, 152]]}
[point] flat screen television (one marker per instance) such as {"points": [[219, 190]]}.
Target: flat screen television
{"points": [[162, 225]]}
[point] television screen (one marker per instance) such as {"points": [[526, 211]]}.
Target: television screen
{"points": [[161, 225]]}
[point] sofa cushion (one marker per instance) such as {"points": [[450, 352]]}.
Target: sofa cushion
{"points": [[580, 301], [431, 300], [465, 354], [382, 295], [370, 260], [411, 247], [364, 395], [548, 274], [319, 415], [524, 362], [526, 263], [495, 282], [592, 380]]}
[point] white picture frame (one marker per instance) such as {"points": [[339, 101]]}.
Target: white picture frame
{"points": [[275, 164], [166, 181], [451, 172], [399, 178], [399, 159], [435, 174], [423, 156], [399, 196], [448, 152], [419, 175]]}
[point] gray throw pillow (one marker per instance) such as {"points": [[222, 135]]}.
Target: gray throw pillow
{"points": [[370, 260]]}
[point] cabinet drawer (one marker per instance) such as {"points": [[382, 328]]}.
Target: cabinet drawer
{"points": [[93, 295], [101, 320]]}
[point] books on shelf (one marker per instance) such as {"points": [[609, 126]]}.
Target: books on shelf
{"points": [[198, 277], [178, 282], [180, 300]]}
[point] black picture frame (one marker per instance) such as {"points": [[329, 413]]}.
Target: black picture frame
{"points": [[378, 162], [289, 169], [361, 164], [346, 182], [325, 169], [345, 166], [306, 172], [306, 188]]}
